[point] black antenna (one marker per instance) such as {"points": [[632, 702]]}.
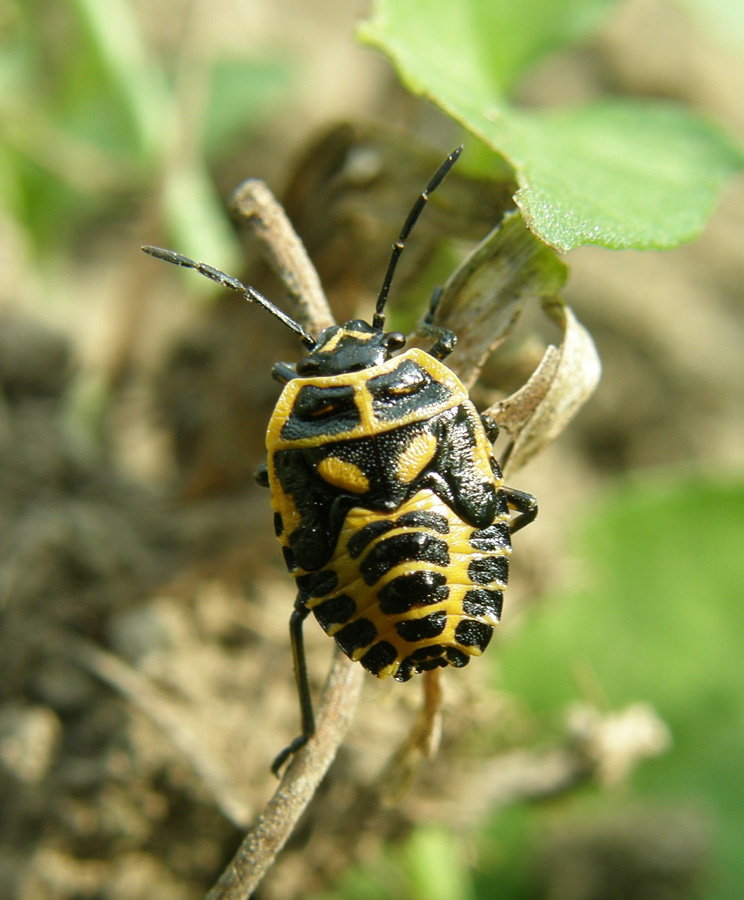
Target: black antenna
{"points": [[250, 294], [379, 318]]}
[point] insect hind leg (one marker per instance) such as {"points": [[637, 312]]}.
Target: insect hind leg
{"points": [[307, 717]]}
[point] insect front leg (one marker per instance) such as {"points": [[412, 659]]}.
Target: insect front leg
{"points": [[307, 718], [445, 339], [283, 372], [444, 342], [490, 426], [523, 503]]}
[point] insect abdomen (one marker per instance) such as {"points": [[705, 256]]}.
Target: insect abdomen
{"points": [[411, 590]]}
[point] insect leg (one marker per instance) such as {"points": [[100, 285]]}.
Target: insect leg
{"points": [[262, 475], [525, 504], [490, 426], [436, 296], [283, 372], [445, 339], [296, 621]]}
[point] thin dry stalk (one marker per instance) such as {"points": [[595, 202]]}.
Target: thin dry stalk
{"points": [[301, 779], [254, 205]]}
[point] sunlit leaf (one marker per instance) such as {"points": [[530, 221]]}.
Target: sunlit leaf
{"points": [[620, 174]]}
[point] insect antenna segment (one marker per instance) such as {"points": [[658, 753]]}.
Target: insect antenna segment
{"points": [[250, 294], [379, 319]]}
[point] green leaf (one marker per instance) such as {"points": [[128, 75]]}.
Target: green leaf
{"points": [[662, 622], [619, 174], [436, 866], [478, 44]]}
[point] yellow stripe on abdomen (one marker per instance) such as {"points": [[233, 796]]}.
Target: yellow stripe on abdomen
{"points": [[414, 589]]}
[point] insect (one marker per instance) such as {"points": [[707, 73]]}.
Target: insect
{"points": [[388, 503]]}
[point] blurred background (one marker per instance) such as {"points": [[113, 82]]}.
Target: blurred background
{"points": [[596, 750]]}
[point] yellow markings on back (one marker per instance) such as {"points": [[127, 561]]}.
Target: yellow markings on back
{"points": [[284, 504], [363, 402], [366, 598], [414, 459], [369, 424], [332, 343], [482, 454], [343, 475]]}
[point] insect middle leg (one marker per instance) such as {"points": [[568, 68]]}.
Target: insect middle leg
{"points": [[307, 718]]}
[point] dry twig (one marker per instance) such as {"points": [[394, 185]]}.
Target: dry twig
{"points": [[260, 846], [255, 205]]}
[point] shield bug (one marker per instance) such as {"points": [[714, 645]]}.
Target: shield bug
{"points": [[388, 502]]}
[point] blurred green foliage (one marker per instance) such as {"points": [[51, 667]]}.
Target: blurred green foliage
{"points": [[94, 123], [661, 621], [724, 19]]}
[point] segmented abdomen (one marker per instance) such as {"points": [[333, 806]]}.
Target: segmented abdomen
{"points": [[411, 590]]}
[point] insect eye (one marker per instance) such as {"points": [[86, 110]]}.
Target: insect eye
{"points": [[395, 340]]}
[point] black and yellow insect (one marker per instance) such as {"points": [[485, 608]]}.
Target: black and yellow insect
{"points": [[388, 502]]}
